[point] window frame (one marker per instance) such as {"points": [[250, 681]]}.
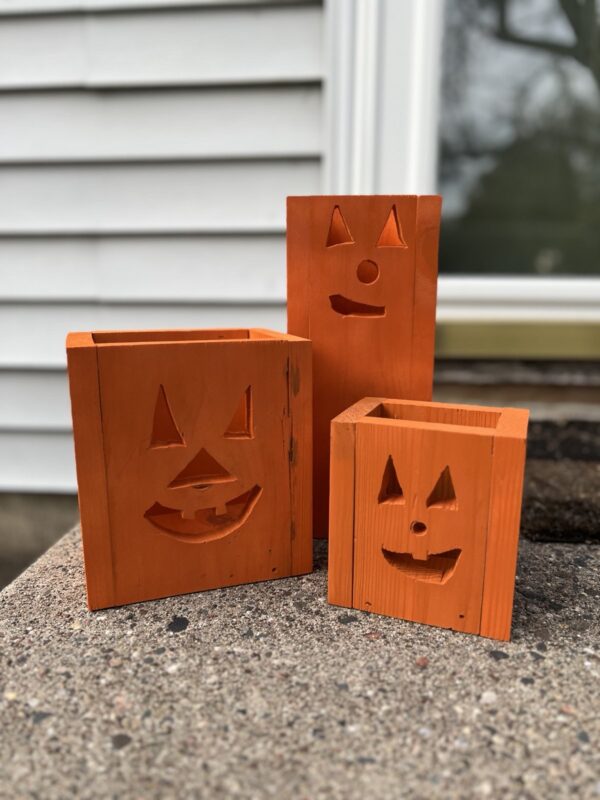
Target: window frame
{"points": [[378, 51]]}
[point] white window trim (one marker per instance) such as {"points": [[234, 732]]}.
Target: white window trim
{"points": [[382, 83]]}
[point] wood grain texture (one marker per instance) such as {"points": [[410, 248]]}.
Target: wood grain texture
{"points": [[425, 504], [197, 432], [300, 453], [91, 468], [429, 211], [396, 571], [352, 289], [341, 503], [503, 527]]}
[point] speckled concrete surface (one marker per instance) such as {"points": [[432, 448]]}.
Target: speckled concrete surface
{"points": [[266, 691]]}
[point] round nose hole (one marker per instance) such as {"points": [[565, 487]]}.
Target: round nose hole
{"points": [[418, 527], [367, 271]]}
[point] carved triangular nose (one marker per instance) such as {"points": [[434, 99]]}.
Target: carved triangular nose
{"points": [[203, 470]]}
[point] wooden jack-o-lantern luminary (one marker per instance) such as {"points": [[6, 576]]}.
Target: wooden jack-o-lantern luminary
{"points": [[362, 280], [425, 510], [193, 453]]}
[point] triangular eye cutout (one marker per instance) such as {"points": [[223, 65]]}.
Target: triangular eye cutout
{"points": [[391, 491], [241, 426], [443, 494], [164, 429], [391, 235], [338, 230], [203, 470]]}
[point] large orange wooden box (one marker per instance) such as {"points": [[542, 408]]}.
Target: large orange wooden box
{"points": [[193, 452], [424, 512], [362, 281]]}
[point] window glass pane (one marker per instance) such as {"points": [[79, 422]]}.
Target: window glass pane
{"points": [[520, 137]]}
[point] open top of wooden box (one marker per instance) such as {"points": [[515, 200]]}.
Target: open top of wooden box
{"points": [[410, 413], [170, 336]]}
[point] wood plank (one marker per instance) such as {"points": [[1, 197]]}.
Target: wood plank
{"points": [[341, 502], [179, 46], [503, 528], [179, 269], [138, 125], [425, 294], [175, 198], [417, 558], [34, 335], [88, 430], [299, 420], [168, 537]]}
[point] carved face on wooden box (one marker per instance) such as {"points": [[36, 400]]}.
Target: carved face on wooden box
{"points": [[359, 253], [362, 277], [387, 252], [422, 507], [425, 509], [357, 280], [204, 479], [197, 436]]}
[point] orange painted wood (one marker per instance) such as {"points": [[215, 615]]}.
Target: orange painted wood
{"points": [[425, 298], [430, 496], [341, 503], [505, 518], [202, 442], [412, 559], [82, 363], [362, 276], [299, 431]]}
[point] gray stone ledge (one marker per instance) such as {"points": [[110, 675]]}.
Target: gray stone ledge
{"points": [[483, 372], [266, 691]]}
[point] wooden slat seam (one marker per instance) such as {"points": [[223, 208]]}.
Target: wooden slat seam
{"points": [[105, 469], [487, 530]]}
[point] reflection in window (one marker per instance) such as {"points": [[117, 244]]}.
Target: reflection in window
{"points": [[520, 137]]}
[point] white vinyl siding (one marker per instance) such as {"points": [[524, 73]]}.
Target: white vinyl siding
{"points": [[197, 197], [183, 268], [146, 151], [162, 47], [79, 125]]}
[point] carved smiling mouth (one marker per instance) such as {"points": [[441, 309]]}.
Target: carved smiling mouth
{"points": [[206, 525], [350, 308], [436, 568]]}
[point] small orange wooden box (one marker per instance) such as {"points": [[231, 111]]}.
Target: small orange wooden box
{"points": [[362, 281], [193, 453], [424, 512]]}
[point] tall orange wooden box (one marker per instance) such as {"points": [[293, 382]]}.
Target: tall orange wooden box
{"points": [[193, 452], [362, 279], [425, 510]]}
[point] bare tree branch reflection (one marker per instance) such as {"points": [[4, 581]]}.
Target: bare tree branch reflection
{"points": [[584, 22], [520, 137]]}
